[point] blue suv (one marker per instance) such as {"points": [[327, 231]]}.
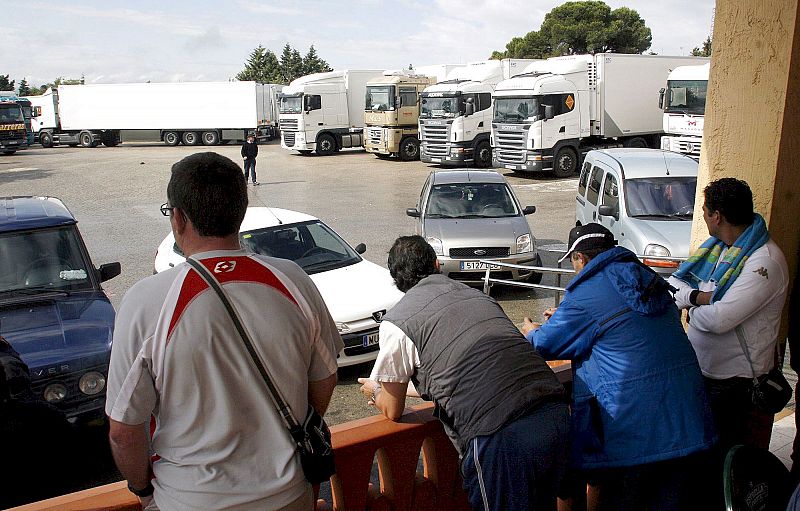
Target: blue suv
{"points": [[52, 308]]}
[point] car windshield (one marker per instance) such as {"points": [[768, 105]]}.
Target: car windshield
{"points": [[515, 109], [686, 96], [471, 200], [380, 98], [11, 113], [44, 260], [661, 197], [291, 104], [312, 245], [437, 106]]}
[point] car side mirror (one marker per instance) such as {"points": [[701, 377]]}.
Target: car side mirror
{"points": [[361, 248], [412, 212], [527, 210], [606, 210], [548, 112], [108, 271]]}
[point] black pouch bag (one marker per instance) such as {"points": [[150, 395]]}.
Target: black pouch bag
{"points": [[313, 440], [770, 392]]}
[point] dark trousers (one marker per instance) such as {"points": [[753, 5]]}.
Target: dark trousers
{"points": [[679, 484], [736, 419], [250, 166], [520, 466]]}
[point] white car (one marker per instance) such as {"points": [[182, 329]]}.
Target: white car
{"points": [[357, 292]]}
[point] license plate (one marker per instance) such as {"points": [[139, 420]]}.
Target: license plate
{"points": [[369, 340], [436, 160], [477, 265]]}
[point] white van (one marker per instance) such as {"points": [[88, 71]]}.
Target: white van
{"points": [[644, 196]]}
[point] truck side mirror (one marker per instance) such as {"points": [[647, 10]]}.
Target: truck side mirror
{"points": [[361, 248], [469, 107], [548, 112], [412, 212], [36, 111], [606, 210], [527, 210], [108, 271], [661, 98]]}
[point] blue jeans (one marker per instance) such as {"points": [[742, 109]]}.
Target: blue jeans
{"points": [[250, 166], [521, 465]]}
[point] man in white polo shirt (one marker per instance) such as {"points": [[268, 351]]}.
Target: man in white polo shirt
{"points": [[192, 425]]}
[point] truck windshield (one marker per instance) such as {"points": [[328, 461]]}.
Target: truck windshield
{"points": [[380, 98], [686, 97], [441, 106], [11, 113], [471, 200], [36, 261], [661, 197], [515, 109], [291, 104]]}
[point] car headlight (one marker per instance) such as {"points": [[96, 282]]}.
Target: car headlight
{"points": [[55, 392], [658, 251], [524, 244], [436, 243], [342, 327], [92, 383]]}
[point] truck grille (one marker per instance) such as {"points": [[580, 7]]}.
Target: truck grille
{"points": [[466, 253], [687, 147], [288, 124], [510, 144], [288, 138], [374, 136], [435, 138], [12, 134]]}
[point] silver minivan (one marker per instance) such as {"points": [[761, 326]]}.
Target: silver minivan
{"points": [[644, 196], [469, 215]]}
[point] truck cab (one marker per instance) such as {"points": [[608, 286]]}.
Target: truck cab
{"points": [[684, 104], [13, 132], [53, 310]]}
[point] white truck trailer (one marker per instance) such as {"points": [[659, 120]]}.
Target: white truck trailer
{"points": [[193, 113], [684, 104], [324, 112], [551, 115], [455, 114]]}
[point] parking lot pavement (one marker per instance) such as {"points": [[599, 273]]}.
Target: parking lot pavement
{"points": [[115, 194]]}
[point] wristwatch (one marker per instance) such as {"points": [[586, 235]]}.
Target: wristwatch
{"points": [[375, 390], [144, 492]]}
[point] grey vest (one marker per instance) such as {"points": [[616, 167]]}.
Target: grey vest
{"points": [[474, 363]]}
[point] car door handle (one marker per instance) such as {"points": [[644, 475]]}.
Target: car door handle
{"points": [[562, 129]]}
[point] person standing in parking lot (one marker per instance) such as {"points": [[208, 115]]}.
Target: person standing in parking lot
{"points": [[249, 153]]}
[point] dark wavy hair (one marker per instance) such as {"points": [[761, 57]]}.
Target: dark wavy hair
{"points": [[731, 197], [211, 190], [411, 259]]}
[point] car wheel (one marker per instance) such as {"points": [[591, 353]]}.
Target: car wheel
{"points": [[483, 155], [566, 162], [326, 145], [409, 149]]}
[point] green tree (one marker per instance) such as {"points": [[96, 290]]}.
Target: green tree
{"points": [[585, 26], [313, 64], [705, 51], [24, 88], [264, 66], [291, 63], [6, 83]]}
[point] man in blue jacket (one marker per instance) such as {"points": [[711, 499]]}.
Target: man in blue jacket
{"points": [[641, 422]]}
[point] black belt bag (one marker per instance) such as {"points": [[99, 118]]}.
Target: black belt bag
{"points": [[769, 392], [312, 437]]}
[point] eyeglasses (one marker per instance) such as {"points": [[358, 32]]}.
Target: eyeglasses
{"points": [[166, 209]]}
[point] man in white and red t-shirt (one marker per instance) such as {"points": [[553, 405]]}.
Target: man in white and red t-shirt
{"points": [[182, 389]]}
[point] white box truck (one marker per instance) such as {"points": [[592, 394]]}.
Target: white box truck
{"points": [[455, 114], [684, 104], [547, 118], [189, 112], [324, 112]]}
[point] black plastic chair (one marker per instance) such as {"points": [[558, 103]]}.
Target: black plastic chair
{"points": [[755, 480]]}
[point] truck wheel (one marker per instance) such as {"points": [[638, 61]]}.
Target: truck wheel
{"points": [[483, 155], [110, 139], [210, 138], [171, 138], [46, 139], [85, 139], [635, 142], [566, 162], [409, 149], [190, 138], [326, 145]]}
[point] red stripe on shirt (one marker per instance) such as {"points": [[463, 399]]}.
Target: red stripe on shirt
{"points": [[192, 286], [245, 269]]}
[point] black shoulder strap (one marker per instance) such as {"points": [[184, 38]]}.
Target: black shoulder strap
{"points": [[280, 403]]}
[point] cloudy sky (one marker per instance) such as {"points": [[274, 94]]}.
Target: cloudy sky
{"points": [[113, 41]]}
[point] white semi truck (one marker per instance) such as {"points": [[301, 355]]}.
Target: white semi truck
{"points": [[191, 113], [324, 112], [551, 115], [684, 104], [455, 114]]}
